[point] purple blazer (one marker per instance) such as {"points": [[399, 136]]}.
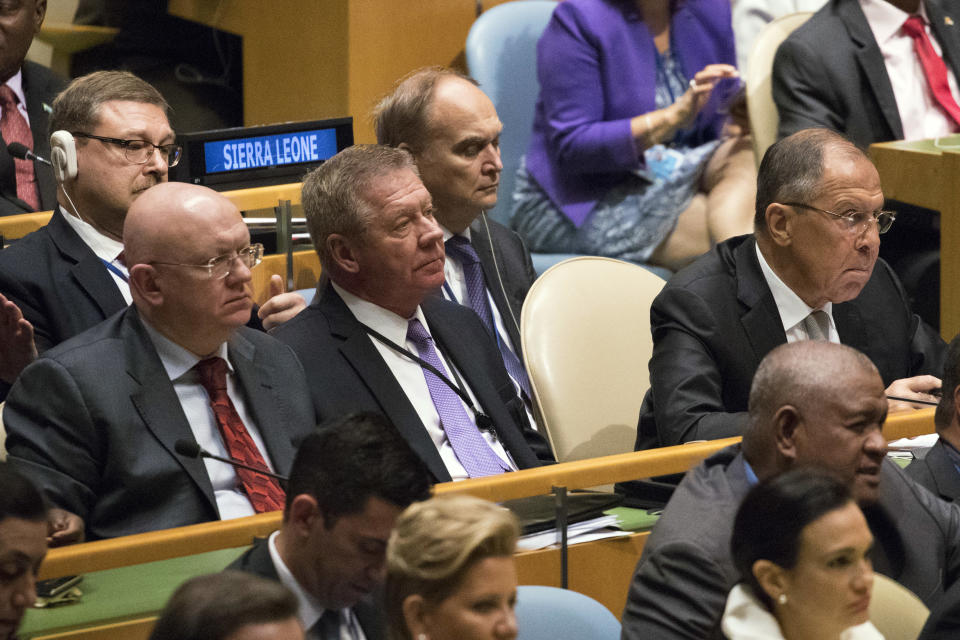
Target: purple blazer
{"points": [[597, 70]]}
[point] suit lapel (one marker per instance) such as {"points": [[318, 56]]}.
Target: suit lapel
{"points": [[364, 358], [87, 271], [852, 329], [871, 62], [39, 124], [761, 321], [157, 402], [945, 29], [268, 408]]}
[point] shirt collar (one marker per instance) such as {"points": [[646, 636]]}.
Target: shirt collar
{"points": [[885, 19], [447, 234], [793, 310], [383, 321], [178, 361], [104, 247], [16, 84], [310, 610]]}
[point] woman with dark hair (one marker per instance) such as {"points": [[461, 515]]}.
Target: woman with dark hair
{"points": [[801, 546], [631, 154]]}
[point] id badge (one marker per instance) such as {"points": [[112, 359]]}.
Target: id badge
{"points": [[662, 161]]}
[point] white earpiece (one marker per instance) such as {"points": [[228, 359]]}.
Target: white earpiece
{"points": [[63, 155]]}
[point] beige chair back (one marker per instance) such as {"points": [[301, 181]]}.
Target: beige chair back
{"points": [[895, 610], [585, 328], [760, 105]]}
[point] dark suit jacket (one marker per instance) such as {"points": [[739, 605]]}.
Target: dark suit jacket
{"points": [[60, 285], [682, 579], [93, 422], [944, 620], [347, 374], [369, 611], [507, 270], [830, 73], [715, 321], [40, 86], [937, 473]]}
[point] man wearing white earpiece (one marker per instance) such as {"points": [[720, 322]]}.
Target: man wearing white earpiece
{"points": [[111, 141]]}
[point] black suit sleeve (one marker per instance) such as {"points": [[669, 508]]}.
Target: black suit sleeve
{"points": [[686, 383], [51, 436], [675, 593]]}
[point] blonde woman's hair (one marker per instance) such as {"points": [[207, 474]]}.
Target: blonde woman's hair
{"points": [[435, 543]]}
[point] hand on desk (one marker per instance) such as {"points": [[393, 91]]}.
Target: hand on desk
{"points": [[917, 387], [281, 306], [63, 527], [17, 348]]}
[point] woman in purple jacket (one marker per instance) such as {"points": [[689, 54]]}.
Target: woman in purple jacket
{"points": [[627, 157]]}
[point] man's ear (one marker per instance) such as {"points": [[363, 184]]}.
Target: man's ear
{"points": [[786, 424], [779, 222], [303, 514], [342, 250], [144, 282], [39, 13], [956, 402], [772, 578]]}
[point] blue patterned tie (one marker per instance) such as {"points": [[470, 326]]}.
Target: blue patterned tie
{"points": [[461, 249], [473, 452]]}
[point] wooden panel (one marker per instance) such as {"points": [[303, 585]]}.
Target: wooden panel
{"points": [[907, 424], [138, 629], [17, 226], [306, 272]]}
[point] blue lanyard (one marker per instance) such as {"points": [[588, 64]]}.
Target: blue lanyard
{"points": [[116, 270]]}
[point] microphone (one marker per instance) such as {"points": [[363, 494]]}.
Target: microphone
{"points": [[190, 449], [20, 151]]}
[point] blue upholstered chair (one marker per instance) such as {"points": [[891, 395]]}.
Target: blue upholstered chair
{"points": [[548, 613]]}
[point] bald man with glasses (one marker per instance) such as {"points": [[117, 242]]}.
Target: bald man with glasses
{"points": [[94, 422], [111, 141], [809, 271]]}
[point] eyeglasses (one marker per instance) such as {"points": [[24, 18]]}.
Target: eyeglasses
{"points": [[856, 222], [222, 266], [139, 151]]}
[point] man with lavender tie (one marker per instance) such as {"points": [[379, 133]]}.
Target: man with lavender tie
{"points": [[376, 339], [453, 132]]}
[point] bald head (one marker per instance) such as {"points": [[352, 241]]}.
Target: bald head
{"points": [[818, 403], [171, 233]]}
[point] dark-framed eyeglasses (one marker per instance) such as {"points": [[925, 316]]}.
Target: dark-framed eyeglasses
{"points": [[139, 151], [856, 222], [222, 266]]}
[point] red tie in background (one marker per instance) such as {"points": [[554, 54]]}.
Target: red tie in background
{"points": [[264, 492], [933, 67], [14, 128]]}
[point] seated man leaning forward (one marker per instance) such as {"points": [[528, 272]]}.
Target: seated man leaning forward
{"points": [[349, 483], [809, 271], [812, 403], [94, 421], [938, 470], [375, 339]]}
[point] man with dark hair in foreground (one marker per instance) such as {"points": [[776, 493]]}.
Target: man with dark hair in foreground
{"points": [[23, 545], [350, 480]]}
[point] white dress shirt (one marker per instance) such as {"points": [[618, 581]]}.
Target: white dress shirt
{"points": [[410, 376], [920, 113], [309, 610], [793, 310], [104, 247], [178, 363]]}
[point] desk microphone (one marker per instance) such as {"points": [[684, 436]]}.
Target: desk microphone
{"points": [[190, 449], [20, 151]]}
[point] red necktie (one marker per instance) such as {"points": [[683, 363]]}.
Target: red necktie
{"points": [[264, 492], [14, 128], [933, 67]]}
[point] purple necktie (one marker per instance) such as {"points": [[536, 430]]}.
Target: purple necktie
{"points": [[473, 452], [461, 249]]}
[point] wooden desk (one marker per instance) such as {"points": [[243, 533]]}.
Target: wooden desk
{"points": [[308, 59], [923, 173]]}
